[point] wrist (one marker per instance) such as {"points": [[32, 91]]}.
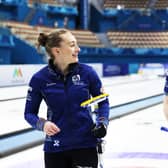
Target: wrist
{"points": [[40, 124], [103, 120]]}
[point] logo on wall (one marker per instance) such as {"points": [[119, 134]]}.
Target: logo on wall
{"points": [[17, 76], [17, 73]]}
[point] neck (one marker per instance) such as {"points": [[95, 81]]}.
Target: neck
{"points": [[63, 68]]}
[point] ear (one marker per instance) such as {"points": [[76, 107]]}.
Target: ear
{"points": [[55, 50]]}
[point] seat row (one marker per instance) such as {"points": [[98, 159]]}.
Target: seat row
{"points": [[161, 4], [52, 2], [138, 39], [87, 38], [30, 34]]}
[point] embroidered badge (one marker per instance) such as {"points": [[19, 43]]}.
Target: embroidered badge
{"points": [[76, 80], [56, 143]]}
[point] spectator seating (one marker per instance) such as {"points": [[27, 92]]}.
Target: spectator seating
{"points": [[160, 4], [53, 2], [49, 2], [30, 33], [138, 39]]}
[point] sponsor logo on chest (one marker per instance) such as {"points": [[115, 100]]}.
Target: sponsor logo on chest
{"points": [[76, 80]]}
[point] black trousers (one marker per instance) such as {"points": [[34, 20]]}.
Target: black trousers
{"points": [[78, 158]]}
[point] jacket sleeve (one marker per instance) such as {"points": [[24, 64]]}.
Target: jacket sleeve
{"points": [[95, 90], [33, 101], [166, 86]]}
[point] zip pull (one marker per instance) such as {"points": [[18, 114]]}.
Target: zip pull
{"points": [[64, 78]]}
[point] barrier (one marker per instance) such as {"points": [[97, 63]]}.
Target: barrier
{"points": [[15, 75], [29, 137]]}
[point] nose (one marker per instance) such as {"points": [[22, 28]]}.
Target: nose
{"points": [[78, 48]]}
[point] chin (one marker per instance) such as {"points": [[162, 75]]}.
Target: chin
{"points": [[75, 60]]}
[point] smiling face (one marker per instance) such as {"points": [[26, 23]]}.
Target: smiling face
{"points": [[68, 50]]}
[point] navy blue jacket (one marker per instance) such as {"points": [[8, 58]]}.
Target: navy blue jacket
{"points": [[63, 96], [166, 86]]}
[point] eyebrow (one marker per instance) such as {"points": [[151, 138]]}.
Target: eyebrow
{"points": [[72, 42]]}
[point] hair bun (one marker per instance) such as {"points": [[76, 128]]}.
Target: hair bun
{"points": [[42, 39]]}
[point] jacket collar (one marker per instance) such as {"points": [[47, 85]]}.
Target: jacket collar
{"points": [[54, 69]]}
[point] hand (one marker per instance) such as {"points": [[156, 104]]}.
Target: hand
{"points": [[50, 128], [99, 131]]}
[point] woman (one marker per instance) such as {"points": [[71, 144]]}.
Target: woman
{"points": [[71, 135]]}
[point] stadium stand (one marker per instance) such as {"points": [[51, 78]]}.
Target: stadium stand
{"points": [[138, 39], [112, 34], [160, 4], [48, 2], [52, 2], [30, 34]]}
